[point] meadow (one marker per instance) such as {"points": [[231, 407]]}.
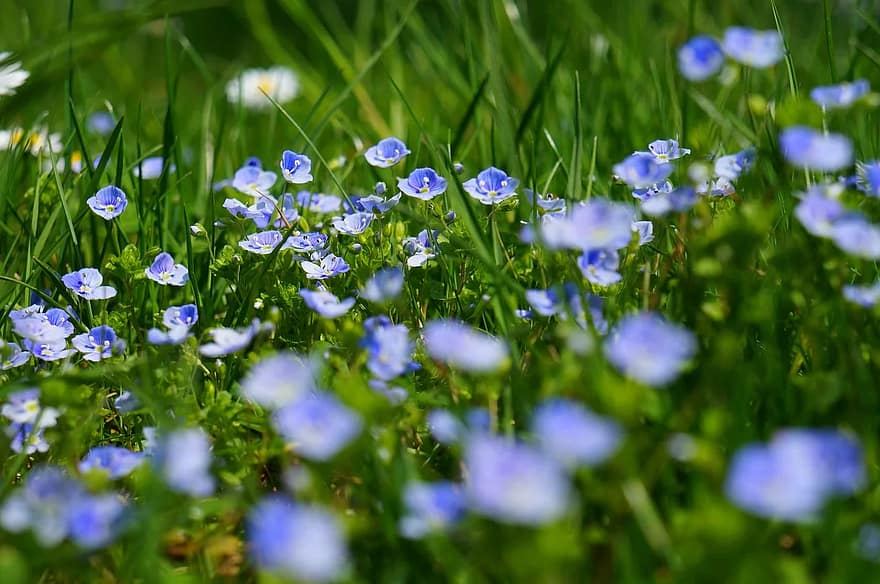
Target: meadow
{"points": [[439, 290]]}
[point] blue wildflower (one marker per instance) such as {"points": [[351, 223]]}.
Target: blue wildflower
{"points": [[549, 203], [49, 350], [868, 177], [23, 407], [390, 351], [353, 224], [126, 402], [329, 266], [818, 213], [11, 355], [98, 344], [645, 231], [460, 346], [841, 95], [422, 183], [253, 181], [317, 426], [87, 283], [647, 348], [386, 153], [226, 340], [700, 58], [101, 123], [183, 460], [108, 202], [152, 167], [383, 286], [380, 188], [262, 243], [431, 508], [640, 171], [444, 427], [115, 461], [865, 296], [325, 303], [421, 248], [164, 271], [594, 224], [309, 242], [574, 435], [491, 186], [856, 236], [665, 151], [807, 148], [375, 203], [678, 200], [753, 48], [296, 168], [318, 202], [94, 520], [280, 379], [731, 166], [599, 266], [42, 505]]}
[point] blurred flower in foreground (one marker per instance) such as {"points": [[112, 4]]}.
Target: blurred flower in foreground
{"points": [[574, 435], [227, 340], [841, 95], [755, 48], [866, 296], [386, 153], [101, 123], [677, 200], [108, 202], [279, 379], [115, 461], [647, 348], [814, 150], [491, 186], [868, 177], [279, 82], [641, 170], [183, 460], [29, 418], [792, 476], [383, 286], [390, 351], [12, 76], [700, 58], [818, 213], [460, 346], [296, 541], [431, 508], [857, 236], [317, 426], [325, 303], [594, 224]]}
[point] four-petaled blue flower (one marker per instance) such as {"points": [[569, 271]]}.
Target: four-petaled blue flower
{"points": [[115, 461], [253, 181], [700, 58], [108, 202], [317, 426], [164, 271], [491, 186], [262, 243], [390, 351], [647, 348], [98, 344], [599, 266], [353, 224], [458, 345], [329, 266], [665, 150], [431, 508], [814, 150], [87, 283], [386, 153], [326, 303], [178, 320], [421, 248], [754, 48], [385, 285], [574, 435], [309, 242], [841, 95], [677, 200], [296, 168], [640, 171], [422, 183], [151, 168]]}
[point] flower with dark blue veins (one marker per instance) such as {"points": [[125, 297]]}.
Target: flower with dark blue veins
{"points": [[87, 283], [841, 95], [422, 183], [115, 461], [329, 266], [48, 350], [857, 236], [164, 271], [309, 242], [865, 296], [513, 482], [262, 243], [280, 379], [186, 315], [375, 203], [317, 426], [296, 541], [491, 186], [458, 345], [678, 200], [225, 341], [868, 177], [421, 248], [818, 213], [390, 351], [813, 150], [60, 318], [353, 224], [386, 153], [254, 181], [754, 48], [11, 356], [325, 303], [647, 348], [383, 286], [98, 344], [665, 151], [574, 435], [152, 167], [431, 508], [700, 58], [38, 326], [296, 168], [640, 171], [108, 202], [599, 266]]}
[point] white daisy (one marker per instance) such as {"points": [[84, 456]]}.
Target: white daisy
{"points": [[12, 76], [278, 81]]}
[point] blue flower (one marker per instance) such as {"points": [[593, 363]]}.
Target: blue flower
{"points": [[280, 379], [869, 177], [386, 153], [180, 316], [116, 462], [841, 95], [753, 48], [856, 236], [329, 267], [731, 166], [549, 203], [431, 508], [42, 505], [11, 356], [151, 168], [390, 351], [594, 224], [94, 520], [353, 224], [226, 340], [306, 242], [296, 168], [23, 407], [260, 212], [807, 148], [665, 151], [317, 426], [700, 58], [50, 350], [513, 482], [253, 181], [164, 271], [98, 344], [865, 296], [640, 171], [491, 186], [108, 202], [645, 231], [318, 202], [385, 285], [421, 248], [373, 204], [126, 402], [445, 428], [53, 325], [326, 304], [183, 460], [574, 435], [649, 349], [599, 266], [296, 541], [818, 213], [678, 200], [262, 243], [422, 183], [86, 283], [458, 345], [101, 123], [27, 438]]}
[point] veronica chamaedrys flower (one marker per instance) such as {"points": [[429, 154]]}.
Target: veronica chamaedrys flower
{"points": [[101, 123], [421, 248], [857, 236], [94, 520], [329, 266], [254, 181], [309, 242], [665, 151], [23, 407], [226, 340], [319, 202], [818, 213], [108, 202], [325, 303], [353, 224], [375, 203], [178, 320], [431, 508], [53, 350], [647, 348], [183, 460], [513, 482], [296, 168], [296, 541], [39, 326], [383, 286], [549, 203], [390, 351], [678, 200], [792, 476], [98, 344], [599, 266], [491, 186], [87, 283], [248, 88], [594, 224], [644, 230], [458, 345], [731, 166], [445, 427], [574, 435], [12, 76], [152, 167], [641, 171], [317, 426], [386, 153], [422, 183], [262, 243], [164, 271], [11, 356], [808, 148], [280, 379], [865, 296], [114, 461], [41, 505], [868, 177], [700, 58], [754, 48], [841, 95]]}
